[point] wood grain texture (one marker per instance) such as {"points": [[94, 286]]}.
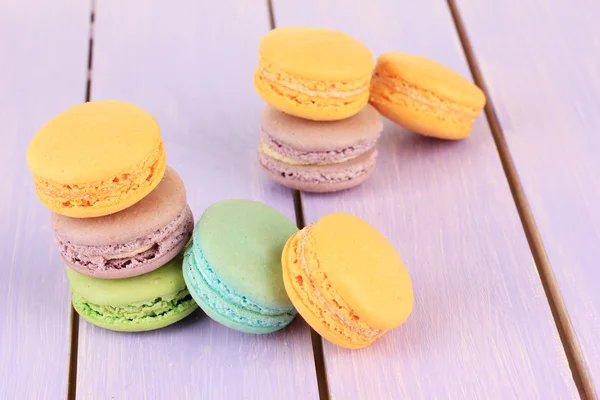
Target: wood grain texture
{"points": [[190, 64], [547, 99], [43, 70], [481, 327]]}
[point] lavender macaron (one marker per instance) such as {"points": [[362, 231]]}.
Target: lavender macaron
{"points": [[318, 156], [131, 242]]}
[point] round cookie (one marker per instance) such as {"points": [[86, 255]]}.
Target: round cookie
{"points": [[233, 267], [315, 156], [424, 96], [132, 242], [313, 73], [346, 280], [96, 159], [142, 303]]}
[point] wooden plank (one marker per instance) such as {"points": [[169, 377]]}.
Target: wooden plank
{"points": [[481, 326], [541, 64], [43, 71], [189, 64]]}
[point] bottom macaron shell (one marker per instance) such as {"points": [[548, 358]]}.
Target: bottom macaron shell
{"points": [[424, 120], [129, 272], [312, 320], [142, 324], [211, 302], [321, 178]]}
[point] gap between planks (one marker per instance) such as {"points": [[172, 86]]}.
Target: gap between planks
{"points": [[549, 283], [74, 345], [317, 341]]}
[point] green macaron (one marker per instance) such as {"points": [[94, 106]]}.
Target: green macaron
{"points": [[141, 303], [233, 267]]}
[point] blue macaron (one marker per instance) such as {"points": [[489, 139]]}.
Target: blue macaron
{"points": [[233, 266]]}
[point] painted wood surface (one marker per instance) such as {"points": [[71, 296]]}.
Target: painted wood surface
{"points": [[43, 70], [541, 64], [190, 64], [481, 327]]}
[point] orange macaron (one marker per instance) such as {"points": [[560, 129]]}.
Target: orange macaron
{"points": [[346, 280], [424, 96]]}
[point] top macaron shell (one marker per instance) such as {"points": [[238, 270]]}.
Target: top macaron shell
{"points": [[313, 73], [321, 136], [96, 158]]}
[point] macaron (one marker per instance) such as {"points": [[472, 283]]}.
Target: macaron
{"points": [[424, 96], [96, 159], [132, 242], [141, 303], [346, 280], [233, 266], [321, 156], [313, 73]]}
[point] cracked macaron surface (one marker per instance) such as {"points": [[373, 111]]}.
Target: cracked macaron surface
{"points": [[96, 159], [132, 242], [346, 280], [233, 266], [313, 73], [319, 156], [146, 302]]}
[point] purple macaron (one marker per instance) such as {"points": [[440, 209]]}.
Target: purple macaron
{"points": [[317, 156], [132, 242]]}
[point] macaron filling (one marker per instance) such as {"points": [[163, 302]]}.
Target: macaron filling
{"points": [[103, 193], [314, 289], [160, 307], [212, 293], [131, 254], [386, 90], [277, 149]]}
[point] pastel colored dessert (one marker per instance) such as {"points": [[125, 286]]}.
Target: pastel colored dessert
{"points": [[319, 156], [141, 303], [312, 73], [233, 266], [132, 242], [346, 280], [424, 96], [96, 159]]}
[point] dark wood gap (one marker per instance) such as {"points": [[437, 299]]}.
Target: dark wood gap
{"points": [[74, 339], [557, 306]]}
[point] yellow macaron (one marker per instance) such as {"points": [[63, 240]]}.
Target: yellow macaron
{"points": [[313, 73], [96, 159], [424, 96], [346, 280]]}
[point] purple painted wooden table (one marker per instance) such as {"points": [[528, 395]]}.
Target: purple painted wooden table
{"points": [[500, 232]]}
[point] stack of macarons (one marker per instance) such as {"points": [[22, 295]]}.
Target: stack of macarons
{"points": [[321, 122], [319, 133], [119, 213]]}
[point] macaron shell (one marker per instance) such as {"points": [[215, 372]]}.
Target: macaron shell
{"points": [[315, 54], [92, 142], [306, 135], [365, 270], [141, 325], [431, 76], [242, 241], [164, 281], [153, 212], [425, 120], [321, 178]]}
